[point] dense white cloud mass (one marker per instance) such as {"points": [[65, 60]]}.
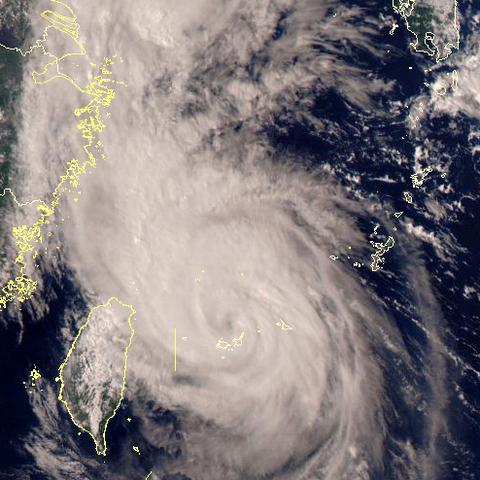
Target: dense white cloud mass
{"points": [[194, 220], [456, 90]]}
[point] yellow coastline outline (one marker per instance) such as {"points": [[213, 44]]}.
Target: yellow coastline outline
{"points": [[378, 258], [34, 376], [10, 191], [442, 91], [407, 196], [65, 24], [100, 449], [283, 325], [236, 342], [28, 238], [405, 9], [420, 176]]}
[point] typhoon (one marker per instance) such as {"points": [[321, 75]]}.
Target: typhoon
{"points": [[253, 156]]}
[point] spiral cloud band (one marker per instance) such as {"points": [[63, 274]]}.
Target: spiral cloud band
{"points": [[209, 231]]}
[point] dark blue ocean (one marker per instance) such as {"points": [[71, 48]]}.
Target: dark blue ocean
{"points": [[355, 144]]}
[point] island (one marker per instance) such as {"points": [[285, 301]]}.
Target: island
{"points": [[378, 258], [93, 375], [434, 25]]}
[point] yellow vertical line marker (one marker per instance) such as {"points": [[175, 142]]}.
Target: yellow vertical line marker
{"points": [[174, 349]]}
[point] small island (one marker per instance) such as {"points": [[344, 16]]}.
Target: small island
{"points": [[93, 375], [378, 258]]}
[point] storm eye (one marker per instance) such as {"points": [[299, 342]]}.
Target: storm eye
{"points": [[238, 239]]}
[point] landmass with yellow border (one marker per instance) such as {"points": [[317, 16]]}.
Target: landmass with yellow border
{"points": [[29, 238], [434, 25], [93, 375]]}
